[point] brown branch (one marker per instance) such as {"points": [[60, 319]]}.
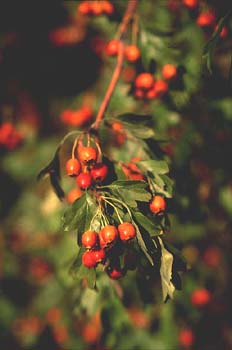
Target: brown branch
{"points": [[122, 29]]}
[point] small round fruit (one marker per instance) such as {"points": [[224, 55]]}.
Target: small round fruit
{"points": [[144, 81], [107, 7], [132, 53], [115, 273], [84, 180], [206, 19], [112, 47], [87, 155], [191, 4], [88, 259], [96, 8], [186, 337], [99, 255], [157, 204], [109, 234], [99, 172], [73, 167], [126, 231], [84, 8], [200, 297], [89, 239], [73, 195], [161, 88], [169, 71]]}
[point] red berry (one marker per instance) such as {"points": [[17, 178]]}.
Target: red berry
{"points": [[160, 87], [152, 93], [140, 94], [84, 8], [99, 255], [132, 53], [112, 47], [108, 234], [200, 297], [157, 205], [144, 81], [73, 167], [206, 19], [84, 180], [169, 71], [89, 239], [87, 154], [96, 8], [126, 231], [186, 337], [99, 172], [115, 273], [88, 259], [74, 194], [191, 4], [107, 7]]}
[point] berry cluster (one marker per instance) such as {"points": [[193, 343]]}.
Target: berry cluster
{"points": [[95, 8], [100, 246], [10, 137], [132, 52], [78, 117], [148, 88]]}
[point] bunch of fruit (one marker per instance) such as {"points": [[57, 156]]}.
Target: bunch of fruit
{"points": [[10, 137], [95, 8]]}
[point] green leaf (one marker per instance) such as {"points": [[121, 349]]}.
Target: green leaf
{"points": [[80, 214], [168, 287], [135, 118], [141, 132], [153, 166], [146, 223]]}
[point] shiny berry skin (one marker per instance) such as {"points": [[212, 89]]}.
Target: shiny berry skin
{"points": [[87, 155], [84, 8], [144, 81], [191, 4], [89, 239], [99, 255], [107, 7], [157, 204], [88, 259], [200, 297], [112, 47], [73, 167], [126, 231], [186, 337], [160, 87], [169, 71], [132, 53], [73, 195], [206, 19], [115, 273], [99, 172], [109, 234], [84, 180], [96, 8]]}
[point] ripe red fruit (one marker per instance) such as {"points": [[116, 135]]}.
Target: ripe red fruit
{"points": [[126, 231], [84, 8], [73, 167], [89, 239], [160, 88], [87, 155], [212, 257], [140, 94], [186, 337], [191, 4], [157, 204], [84, 180], [132, 53], [99, 255], [88, 259], [144, 81], [112, 47], [108, 234], [200, 297], [206, 19], [74, 194], [99, 172], [115, 273], [107, 7], [169, 71], [96, 8]]}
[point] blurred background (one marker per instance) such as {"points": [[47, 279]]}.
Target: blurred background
{"points": [[54, 71]]}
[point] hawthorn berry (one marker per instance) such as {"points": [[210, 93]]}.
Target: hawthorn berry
{"points": [[160, 87], [87, 155], [107, 7], [186, 337], [157, 204], [99, 172], [115, 273], [206, 19], [144, 81], [88, 259], [112, 47], [126, 231], [73, 195], [84, 8], [96, 8], [89, 239], [132, 53], [200, 297], [108, 234], [73, 167], [169, 71], [191, 4], [84, 180], [99, 255]]}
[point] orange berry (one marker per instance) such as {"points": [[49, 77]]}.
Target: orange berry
{"points": [[126, 231], [157, 204], [160, 87], [169, 71], [73, 195], [206, 19], [144, 81], [132, 53], [73, 167], [89, 239], [87, 154], [84, 8], [112, 47], [191, 4], [186, 337], [200, 297]]}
